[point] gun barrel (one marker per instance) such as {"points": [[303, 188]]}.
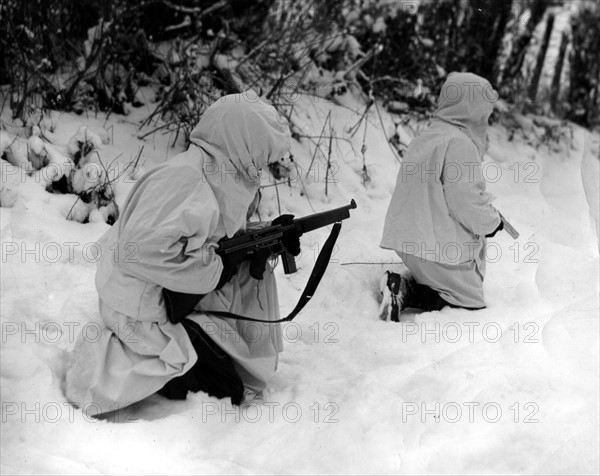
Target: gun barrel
{"points": [[312, 222]]}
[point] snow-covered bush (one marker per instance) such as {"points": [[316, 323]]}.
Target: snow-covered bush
{"points": [[77, 169], [97, 55]]}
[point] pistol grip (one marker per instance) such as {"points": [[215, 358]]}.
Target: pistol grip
{"points": [[259, 263], [289, 263]]}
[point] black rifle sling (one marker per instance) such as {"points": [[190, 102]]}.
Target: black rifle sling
{"points": [[311, 286]]}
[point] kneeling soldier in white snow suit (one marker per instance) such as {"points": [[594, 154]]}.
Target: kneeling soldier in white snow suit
{"points": [[440, 212], [174, 218]]}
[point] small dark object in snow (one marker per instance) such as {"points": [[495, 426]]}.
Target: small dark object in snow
{"points": [[279, 171]]}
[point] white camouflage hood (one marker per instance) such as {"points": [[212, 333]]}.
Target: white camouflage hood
{"points": [[467, 101], [239, 134]]}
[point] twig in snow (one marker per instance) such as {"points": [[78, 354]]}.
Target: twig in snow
{"points": [[278, 201], [385, 133], [73, 206], [327, 119], [328, 157]]}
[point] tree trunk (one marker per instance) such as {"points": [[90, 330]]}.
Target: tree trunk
{"points": [[555, 91], [493, 49], [539, 65], [517, 55]]}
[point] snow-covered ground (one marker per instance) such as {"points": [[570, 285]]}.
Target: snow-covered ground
{"points": [[512, 389]]}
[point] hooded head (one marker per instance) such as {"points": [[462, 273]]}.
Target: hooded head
{"points": [[467, 100], [239, 135]]}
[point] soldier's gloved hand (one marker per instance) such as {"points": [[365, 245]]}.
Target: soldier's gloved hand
{"points": [[499, 228], [231, 263], [290, 239]]}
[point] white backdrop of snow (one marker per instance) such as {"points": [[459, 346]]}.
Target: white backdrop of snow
{"points": [[354, 379]]}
